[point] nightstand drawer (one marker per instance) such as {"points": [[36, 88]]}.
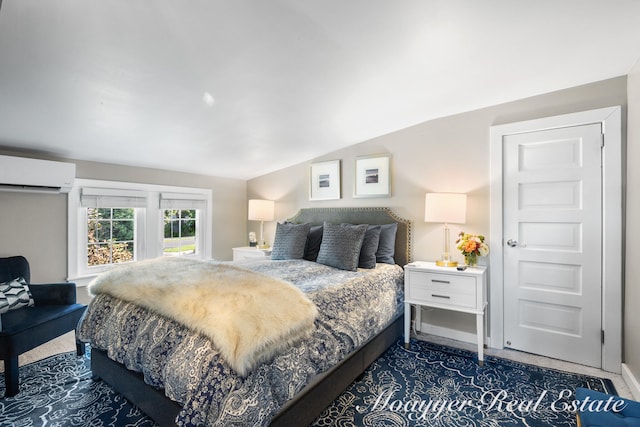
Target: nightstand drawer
{"points": [[249, 252], [454, 290]]}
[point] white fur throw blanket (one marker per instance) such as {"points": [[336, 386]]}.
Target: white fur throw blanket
{"points": [[249, 316]]}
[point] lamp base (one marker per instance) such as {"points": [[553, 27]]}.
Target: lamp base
{"points": [[442, 263]]}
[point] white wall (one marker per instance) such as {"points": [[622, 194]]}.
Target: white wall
{"points": [[446, 154], [632, 267]]}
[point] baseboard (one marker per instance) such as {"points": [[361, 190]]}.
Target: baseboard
{"points": [[631, 381], [454, 334]]}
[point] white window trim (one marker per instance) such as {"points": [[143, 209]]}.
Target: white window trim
{"points": [[150, 225]]}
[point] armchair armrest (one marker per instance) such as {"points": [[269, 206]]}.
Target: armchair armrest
{"points": [[53, 293]]}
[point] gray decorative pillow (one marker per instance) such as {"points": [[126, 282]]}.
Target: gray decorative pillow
{"points": [[290, 241], [369, 247], [341, 244], [15, 294], [387, 244], [314, 239]]}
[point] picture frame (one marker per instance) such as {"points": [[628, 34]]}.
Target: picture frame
{"points": [[373, 177], [324, 180]]}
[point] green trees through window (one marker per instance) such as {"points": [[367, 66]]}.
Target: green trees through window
{"points": [[111, 234], [179, 232]]}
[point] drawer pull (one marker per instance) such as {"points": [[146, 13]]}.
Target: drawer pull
{"points": [[441, 296], [440, 281]]}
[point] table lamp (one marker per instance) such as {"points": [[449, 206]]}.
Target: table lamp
{"points": [[447, 208], [261, 210]]}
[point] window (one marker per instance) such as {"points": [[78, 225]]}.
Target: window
{"points": [[116, 222], [181, 213], [112, 218], [110, 235], [179, 232]]}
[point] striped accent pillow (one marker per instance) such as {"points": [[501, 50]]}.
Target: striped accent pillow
{"points": [[15, 294]]}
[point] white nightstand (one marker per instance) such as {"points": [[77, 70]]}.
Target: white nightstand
{"points": [[426, 284], [246, 252]]}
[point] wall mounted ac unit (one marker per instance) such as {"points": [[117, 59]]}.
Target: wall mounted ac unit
{"points": [[34, 175]]}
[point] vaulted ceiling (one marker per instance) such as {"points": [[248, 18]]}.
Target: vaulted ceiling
{"points": [[240, 88]]}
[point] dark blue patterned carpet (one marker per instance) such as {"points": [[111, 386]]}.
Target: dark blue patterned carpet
{"points": [[428, 385], [434, 385]]}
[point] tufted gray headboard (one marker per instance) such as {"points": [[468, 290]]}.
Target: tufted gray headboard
{"points": [[317, 216]]}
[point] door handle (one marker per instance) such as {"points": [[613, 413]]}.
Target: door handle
{"points": [[513, 243]]}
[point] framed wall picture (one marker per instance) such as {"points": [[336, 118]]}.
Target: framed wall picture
{"points": [[372, 176], [324, 180]]}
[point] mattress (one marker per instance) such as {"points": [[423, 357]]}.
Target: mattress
{"points": [[353, 307]]}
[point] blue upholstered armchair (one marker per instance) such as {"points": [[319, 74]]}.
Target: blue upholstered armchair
{"points": [[54, 313], [604, 410]]}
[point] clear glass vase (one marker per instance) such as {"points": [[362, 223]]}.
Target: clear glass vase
{"points": [[471, 260]]}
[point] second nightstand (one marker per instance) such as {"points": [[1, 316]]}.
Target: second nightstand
{"points": [[428, 285]]}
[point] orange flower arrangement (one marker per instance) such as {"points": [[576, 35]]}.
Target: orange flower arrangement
{"points": [[471, 246]]}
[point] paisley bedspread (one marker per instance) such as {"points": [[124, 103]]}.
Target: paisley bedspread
{"points": [[353, 306]]}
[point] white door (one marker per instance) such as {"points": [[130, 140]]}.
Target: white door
{"points": [[552, 186]]}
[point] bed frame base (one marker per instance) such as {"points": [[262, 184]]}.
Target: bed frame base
{"points": [[300, 411], [130, 384]]}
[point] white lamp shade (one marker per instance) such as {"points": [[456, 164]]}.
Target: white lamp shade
{"points": [[261, 210], [450, 208]]}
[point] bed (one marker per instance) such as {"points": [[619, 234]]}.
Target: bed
{"points": [[297, 393]]}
